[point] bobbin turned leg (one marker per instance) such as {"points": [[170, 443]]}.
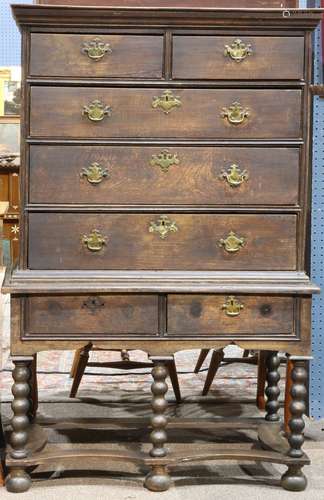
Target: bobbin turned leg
{"points": [[18, 480], [158, 479], [294, 479], [272, 391]]}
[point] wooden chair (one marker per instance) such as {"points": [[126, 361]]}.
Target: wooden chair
{"points": [[256, 358], [81, 361]]}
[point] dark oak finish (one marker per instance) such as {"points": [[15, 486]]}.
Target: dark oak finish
{"points": [[85, 315], [273, 58], [131, 56], [141, 291], [57, 112], [204, 315], [130, 245], [273, 175], [176, 3]]}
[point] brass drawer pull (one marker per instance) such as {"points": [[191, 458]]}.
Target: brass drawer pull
{"points": [[96, 49], [235, 113], [238, 50], [166, 102], [163, 226], [234, 176], [232, 306], [96, 111], [93, 303], [164, 160], [94, 173], [94, 241], [232, 243]]}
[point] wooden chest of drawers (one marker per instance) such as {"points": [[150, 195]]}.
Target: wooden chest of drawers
{"points": [[165, 198]]}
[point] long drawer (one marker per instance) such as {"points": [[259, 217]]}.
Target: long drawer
{"points": [[156, 241], [238, 57], [231, 315], [86, 112], [164, 175], [96, 55], [90, 315]]}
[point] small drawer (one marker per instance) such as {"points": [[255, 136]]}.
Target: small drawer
{"points": [[230, 315], [96, 56], [98, 112], [162, 241], [164, 175], [238, 57], [85, 315]]}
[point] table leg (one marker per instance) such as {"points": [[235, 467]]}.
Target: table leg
{"points": [[158, 479], [18, 480], [272, 391]]}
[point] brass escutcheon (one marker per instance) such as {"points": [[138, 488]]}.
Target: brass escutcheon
{"points": [[238, 50], [234, 175], [164, 160], [93, 303], [232, 243], [96, 49], [166, 102], [94, 173], [235, 113], [94, 241], [232, 306], [96, 111], [163, 226]]}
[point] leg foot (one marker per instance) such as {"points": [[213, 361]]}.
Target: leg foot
{"points": [[158, 479], [18, 481], [294, 479]]}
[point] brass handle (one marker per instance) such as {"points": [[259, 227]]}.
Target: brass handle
{"points": [[235, 113], [94, 173], [163, 226], [232, 243], [94, 241], [166, 101], [238, 51], [234, 176], [93, 303], [96, 111], [96, 49], [164, 160], [232, 306]]}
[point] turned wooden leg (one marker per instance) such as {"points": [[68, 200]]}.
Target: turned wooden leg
{"points": [[294, 479], [158, 479], [216, 359], [287, 414], [262, 374], [33, 389], [172, 369], [80, 368], [272, 391], [75, 363], [202, 356], [18, 480]]}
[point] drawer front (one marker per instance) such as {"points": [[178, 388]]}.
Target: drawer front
{"points": [[164, 175], [96, 56], [230, 315], [86, 315], [238, 57], [196, 113], [168, 241]]}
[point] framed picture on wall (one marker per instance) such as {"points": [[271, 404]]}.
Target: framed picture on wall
{"points": [[10, 83]]}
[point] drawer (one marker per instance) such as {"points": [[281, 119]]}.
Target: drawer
{"points": [[238, 57], [96, 55], [230, 315], [164, 175], [156, 241], [196, 113], [88, 315]]}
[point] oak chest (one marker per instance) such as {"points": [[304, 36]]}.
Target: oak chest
{"points": [[165, 197]]}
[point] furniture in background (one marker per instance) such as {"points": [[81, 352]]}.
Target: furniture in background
{"points": [[81, 362], [166, 182], [9, 199]]}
